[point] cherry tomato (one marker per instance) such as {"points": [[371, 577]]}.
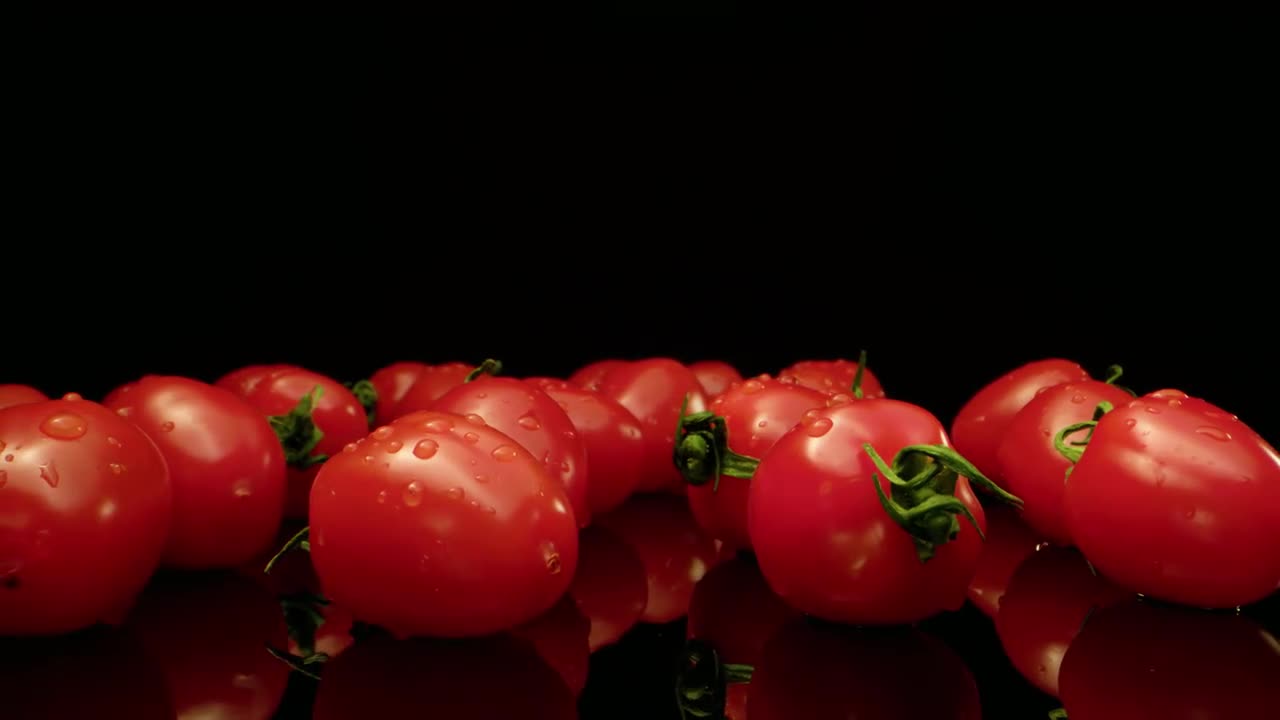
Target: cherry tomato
{"points": [[402, 522], [1031, 466], [1141, 661], [980, 425], [11, 395], [1009, 542], [749, 418], [676, 554], [590, 376], [715, 376], [430, 385], [243, 381], [85, 510], [610, 585], [1049, 597], [831, 376], [612, 438], [1178, 500], [654, 391], [298, 411], [225, 465], [831, 546], [560, 637]]}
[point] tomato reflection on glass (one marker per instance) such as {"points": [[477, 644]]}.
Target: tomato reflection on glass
{"points": [[1009, 541], [560, 635], [610, 587]]}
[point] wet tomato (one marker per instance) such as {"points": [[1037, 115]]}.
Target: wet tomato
{"points": [[430, 385], [589, 376], [1009, 541], [610, 586], [392, 383], [715, 376], [11, 395], [654, 391], [244, 380], [831, 376]]}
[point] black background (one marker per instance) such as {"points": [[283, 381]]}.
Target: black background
{"points": [[956, 193]]}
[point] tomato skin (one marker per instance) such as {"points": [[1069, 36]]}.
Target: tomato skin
{"points": [[1178, 500], [225, 464], [610, 586], [831, 376], [401, 522], [823, 540], [337, 413], [1009, 542], [1031, 466], [431, 384], [612, 438], [715, 376], [591, 375], [530, 417], [392, 383], [11, 395], [979, 427], [654, 390], [87, 510], [244, 380], [756, 413]]}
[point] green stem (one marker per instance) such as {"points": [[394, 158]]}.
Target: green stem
{"points": [[1058, 714], [309, 665], [1113, 374], [857, 376], [702, 681], [303, 617], [488, 367], [300, 541], [702, 451], [1074, 451], [298, 433], [955, 462], [367, 394]]}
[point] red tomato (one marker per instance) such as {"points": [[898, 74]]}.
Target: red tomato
{"points": [[560, 637], [654, 391], [715, 376], [1028, 461], [225, 465], [1140, 661], [1009, 542], [402, 522], [392, 383], [675, 553], [590, 376], [332, 637], [831, 547], [1175, 499], [980, 425], [243, 381], [831, 376], [530, 417], [734, 610], [1049, 597], [747, 419], [11, 395], [430, 385], [612, 438], [86, 511], [297, 412], [610, 585]]}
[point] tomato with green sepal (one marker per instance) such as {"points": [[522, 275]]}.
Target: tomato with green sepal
{"points": [[832, 376]]}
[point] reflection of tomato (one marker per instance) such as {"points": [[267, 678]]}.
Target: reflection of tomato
{"points": [[1141, 661], [831, 376], [812, 670], [560, 637], [654, 390], [1009, 542], [18, 394], [392, 383], [589, 376], [715, 376], [675, 553], [431, 383], [610, 586]]}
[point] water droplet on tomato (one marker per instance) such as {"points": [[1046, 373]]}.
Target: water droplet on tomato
{"points": [[1130, 423], [471, 438], [475, 504], [1042, 390], [8, 458], [482, 479], [1152, 409], [482, 395], [4, 478], [1046, 432], [1190, 513], [115, 468], [393, 447], [49, 473], [439, 425], [840, 398], [1215, 433], [350, 447], [64, 426], [1175, 402], [529, 421], [368, 459], [551, 557], [505, 453], [242, 489], [382, 433], [1077, 398], [382, 497], [124, 411], [113, 442], [752, 386], [73, 396], [413, 494], [475, 419], [980, 419], [425, 448], [166, 426], [456, 493], [763, 423], [565, 467], [818, 428]]}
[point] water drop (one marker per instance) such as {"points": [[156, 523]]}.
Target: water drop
{"points": [[394, 446], [809, 416], [1077, 398], [8, 458], [840, 398], [113, 442], [166, 426], [1216, 433], [1189, 514], [1046, 432], [1175, 402], [980, 419], [471, 438], [64, 426], [382, 497], [368, 459], [115, 468], [1041, 391], [456, 493], [4, 478], [551, 558], [242, 489], [570, 435], [482, 479], [475, 504], [350, 447], [73, 396], [505, 453], [1130, 423], [413, 494], [49, 473], [475, 419], [529, 421], [818, 427], [752, 386], [565, 467], [482, 396], [763, 423], [439, 425], [425, 448], [1152, 409], [124, 411], [382, 433]]}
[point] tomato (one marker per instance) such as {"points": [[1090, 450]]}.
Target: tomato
{"points": [[979, 427], [85, 510], [612, 437], [530, 417], [831, 376], [209, 633], [403, 522], [1178, 500], [1028, 461], [11, 395], [430, 385], [832, 547], [1049, 597], [746, 421], [715, 376], [225, 465], [610, 585], [315, 417], [392, 384], [735, 611], [654, 391], [1009, 541], [590, 376], [1141, 661], [675, 553], [560, 637], [809, 670], [243, 381]]}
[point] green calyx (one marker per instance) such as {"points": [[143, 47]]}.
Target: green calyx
{"points": [[1113, 374], [703, 679], [1074, 450], [488, 367], [857, 375], [1058, 714], [301, 540], [298, 432], [702, 451], [925, 504], [367, 394]]}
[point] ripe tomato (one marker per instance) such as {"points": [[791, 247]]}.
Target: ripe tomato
{"points": [[611, 436], [402, 523], [979, 427], [1028, 461], [85, 509], [243, 381], [11, 395], [831, 546], [1009, 541], [654, 391], [560, 637], [392, 383], [1175, 499], [225, 465], [741, 426], [315, 417], [831, 376], [610, 585], [589, 376], [430, 385], [530, 417], [715, 376]]}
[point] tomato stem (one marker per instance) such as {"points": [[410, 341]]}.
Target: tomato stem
{"points": [[857, 375], [702, 681], [303, 617], [298, 432], [488, 367], [300, 541], [1058, 714], [1113, 374], [702, 451], [367, 394], [1075, 450], [303, 665]]}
